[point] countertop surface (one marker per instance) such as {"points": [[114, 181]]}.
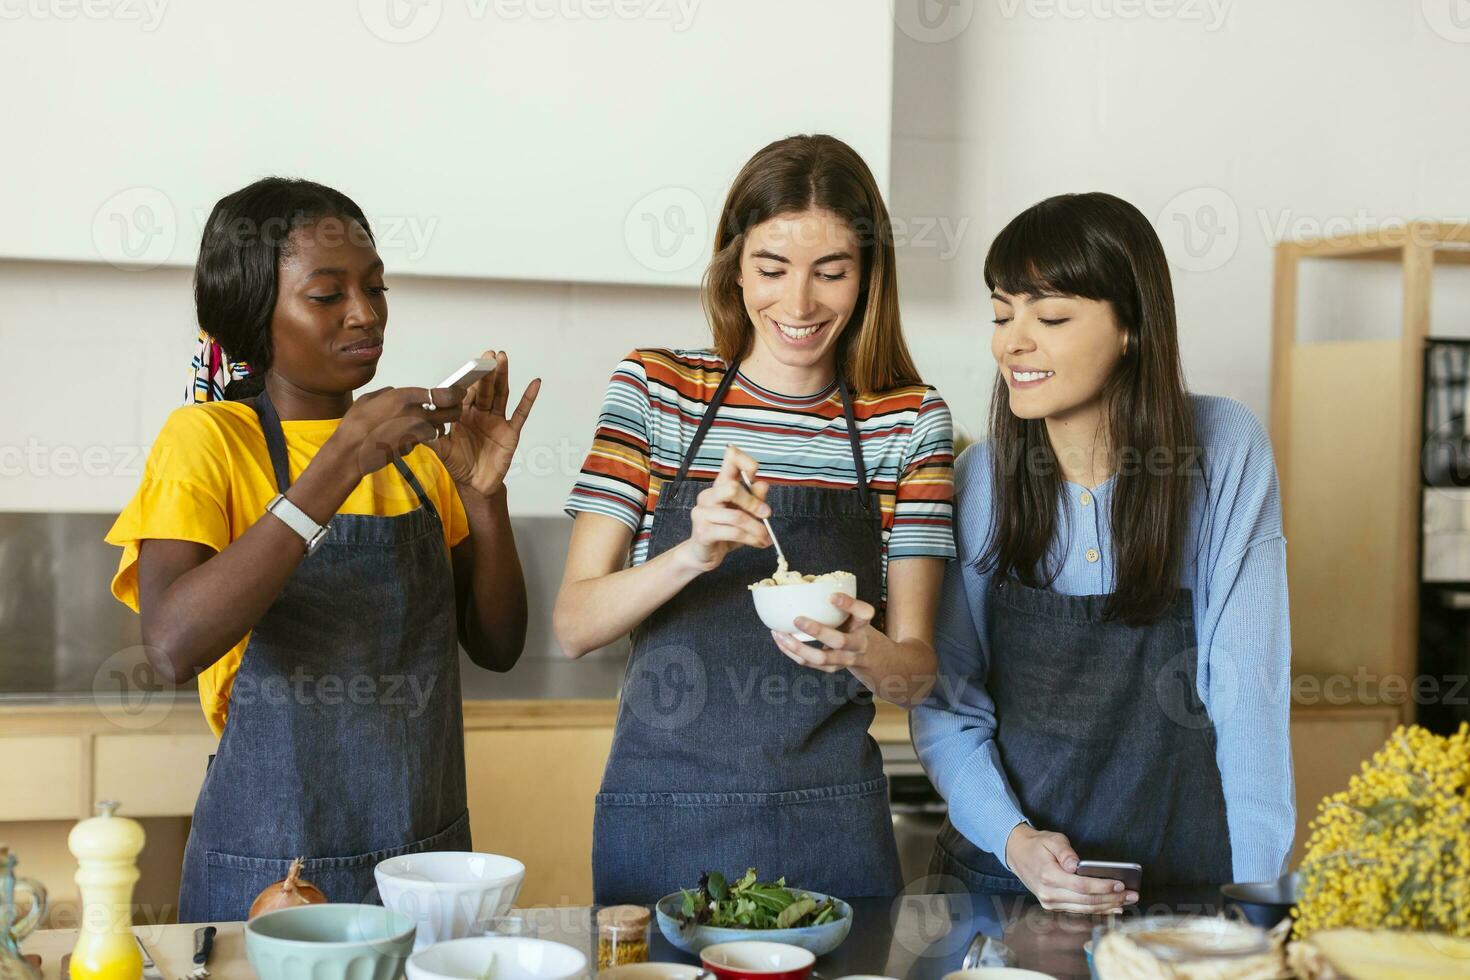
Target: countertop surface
{"points": [[911, 937]]}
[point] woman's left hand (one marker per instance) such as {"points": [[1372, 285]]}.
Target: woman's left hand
{"points": [[478, 450], [843, 647]]}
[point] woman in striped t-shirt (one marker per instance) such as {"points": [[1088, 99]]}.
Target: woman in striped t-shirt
{"points": [[735, 746]]}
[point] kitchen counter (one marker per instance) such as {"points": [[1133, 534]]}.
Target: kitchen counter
{"points": [[912, 937]]}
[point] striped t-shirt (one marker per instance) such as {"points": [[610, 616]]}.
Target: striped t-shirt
{"points": [[657, 398]]}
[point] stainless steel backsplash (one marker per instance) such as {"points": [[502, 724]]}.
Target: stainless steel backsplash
{"points": [[60, 625]]}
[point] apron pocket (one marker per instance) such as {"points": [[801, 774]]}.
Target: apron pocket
{"points": [[837, 840], [235, 880]]}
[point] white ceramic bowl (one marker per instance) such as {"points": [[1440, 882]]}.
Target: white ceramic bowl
{"points": [[446, 892], [779, 605], [755, 958], [515, 958], [651, 971]]}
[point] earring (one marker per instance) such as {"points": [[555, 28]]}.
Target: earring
{"points": [[1126, 339]]}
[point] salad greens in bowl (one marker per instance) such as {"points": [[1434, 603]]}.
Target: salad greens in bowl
{"points": [[721, 911]]}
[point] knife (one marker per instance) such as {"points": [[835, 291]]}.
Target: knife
{"points": [[150, 968]]}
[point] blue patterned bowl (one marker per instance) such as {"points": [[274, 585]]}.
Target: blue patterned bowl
{"points": [[820, 940], [329, 942]]}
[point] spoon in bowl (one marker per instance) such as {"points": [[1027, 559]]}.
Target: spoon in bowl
{"points": [[781, 555]]}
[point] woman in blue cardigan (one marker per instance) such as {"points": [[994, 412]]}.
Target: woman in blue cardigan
{"points": [[1114, 641]]}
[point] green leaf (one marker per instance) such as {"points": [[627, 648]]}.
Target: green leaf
{"points": [[746, 881], [718, 890], [794, 913]]}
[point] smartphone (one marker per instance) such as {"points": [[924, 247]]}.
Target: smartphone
{"points": [[1130, 874], [468, 373]]}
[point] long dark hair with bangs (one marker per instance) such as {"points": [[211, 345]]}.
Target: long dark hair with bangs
{"points": [[1099, 247]]}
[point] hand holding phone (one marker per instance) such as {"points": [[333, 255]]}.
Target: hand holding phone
{"points": [[1051, 870], [466, 374], [1129, 873]]}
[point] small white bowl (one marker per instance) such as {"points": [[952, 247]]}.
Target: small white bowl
{"points": [[755, 958], [446, 892], [651, 971], [515, 958], [779, 605]]}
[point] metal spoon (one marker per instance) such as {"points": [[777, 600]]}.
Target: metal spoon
{"points": [[779, 553]]}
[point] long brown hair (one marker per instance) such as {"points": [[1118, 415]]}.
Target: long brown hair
{"points": [[1099, 247], [802, 173]]}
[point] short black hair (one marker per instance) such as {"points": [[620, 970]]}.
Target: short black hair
{"points": [[236, 277]]}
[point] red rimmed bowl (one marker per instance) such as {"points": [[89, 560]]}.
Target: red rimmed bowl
{"points": [[758, 961]]}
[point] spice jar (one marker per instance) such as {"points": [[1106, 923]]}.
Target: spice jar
{"points": [[622, 935]]}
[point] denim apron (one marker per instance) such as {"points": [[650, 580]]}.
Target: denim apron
{"points": [[345, 737], [727, 754], [1103, 737]]}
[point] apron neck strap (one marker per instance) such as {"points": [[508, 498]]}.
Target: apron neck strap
{"points": [[719, 399], [275, 444]]}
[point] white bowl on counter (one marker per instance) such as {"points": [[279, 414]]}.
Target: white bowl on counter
{"points": [[779, 605], [501, 957], [446, 892]]}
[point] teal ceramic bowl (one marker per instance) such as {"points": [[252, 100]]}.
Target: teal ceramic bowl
{"points": [[329, 942], [820, 940]]}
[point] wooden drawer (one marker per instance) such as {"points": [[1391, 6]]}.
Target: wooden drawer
{"points": [[41, 777], [155, 775]]}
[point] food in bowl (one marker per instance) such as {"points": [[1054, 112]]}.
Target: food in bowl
{"points": [[784, 576], [781, 605], [752, 904]]}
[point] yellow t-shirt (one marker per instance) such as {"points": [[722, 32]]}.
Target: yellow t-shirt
{"points": [[209, 477]]}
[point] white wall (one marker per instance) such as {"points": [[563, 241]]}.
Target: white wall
{"points": [[1299, 115]]}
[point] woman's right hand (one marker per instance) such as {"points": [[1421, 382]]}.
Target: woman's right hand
{"points": [[1045, 863], [386, 424], [726, 515]]}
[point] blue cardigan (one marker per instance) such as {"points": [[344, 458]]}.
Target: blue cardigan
{"points": [[1235, 565]]}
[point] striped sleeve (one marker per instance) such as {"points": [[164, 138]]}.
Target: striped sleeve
{"points": [[614, 477], [923, 512]]}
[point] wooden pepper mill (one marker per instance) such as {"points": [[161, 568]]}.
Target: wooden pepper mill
{"points": [[106, 848]]}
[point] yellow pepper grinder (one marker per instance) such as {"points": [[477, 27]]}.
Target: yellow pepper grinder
{"points": [[106, 848]]}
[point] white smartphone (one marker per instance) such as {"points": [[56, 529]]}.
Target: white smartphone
{"points": [[1128, 872], [469, 372]]}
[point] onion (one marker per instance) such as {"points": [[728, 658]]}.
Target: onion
{"points": [[287, 893]]}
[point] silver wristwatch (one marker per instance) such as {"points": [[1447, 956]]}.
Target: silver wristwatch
{"points": [[295, 518]]}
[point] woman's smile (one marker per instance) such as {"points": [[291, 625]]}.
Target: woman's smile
{"points": [[796, 333]]}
